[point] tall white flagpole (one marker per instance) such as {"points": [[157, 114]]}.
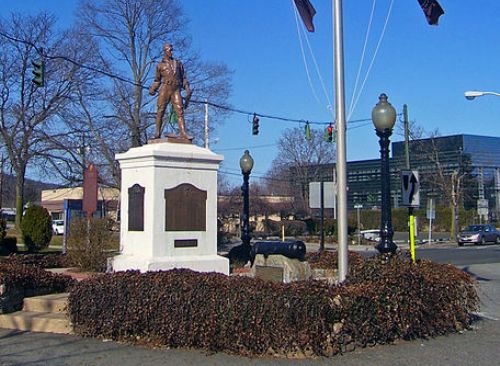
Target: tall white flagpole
{"points": [[341, 139]]}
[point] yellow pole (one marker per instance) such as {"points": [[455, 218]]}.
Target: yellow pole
{"points": [[282, 232], [412, 237]]}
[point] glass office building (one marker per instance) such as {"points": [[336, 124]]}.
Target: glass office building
{"points": [[468, 161]]}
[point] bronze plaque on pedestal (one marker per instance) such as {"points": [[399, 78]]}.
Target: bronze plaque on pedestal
{"points": [[185, 208], [185, 243], [136, 208]]}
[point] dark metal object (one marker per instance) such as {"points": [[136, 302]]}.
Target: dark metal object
{"points": [[386, 244], [136, 208], [172, 78], [185, 243], [322, 220], [241, 253], [292, 249], [245, 217], [185, 208]]}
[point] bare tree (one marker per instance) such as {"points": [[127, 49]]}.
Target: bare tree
{"points": [[131, 34], [29, 115], [299, 162]]}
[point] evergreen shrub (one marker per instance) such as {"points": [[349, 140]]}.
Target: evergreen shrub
{"points": [[37, 228]]}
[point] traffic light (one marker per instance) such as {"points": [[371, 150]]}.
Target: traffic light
{"points": [[39, 71], [308, 131], [329, 133], [255, 125]]}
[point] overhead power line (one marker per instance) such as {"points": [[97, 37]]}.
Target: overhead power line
{"points": [[203, 101]]}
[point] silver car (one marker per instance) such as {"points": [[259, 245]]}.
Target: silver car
{"points": [[479, 234]]}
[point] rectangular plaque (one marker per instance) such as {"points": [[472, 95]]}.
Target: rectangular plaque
{"points": [[136, 208], [274, 274], [185, 243], [185, 208]]}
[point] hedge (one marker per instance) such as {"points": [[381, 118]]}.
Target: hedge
{"points": [[42, 260], [382, 300], [18, 281]]}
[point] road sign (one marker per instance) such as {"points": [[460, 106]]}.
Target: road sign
{"points": [[482, 207], [431, 210], [329, 193], [410, 188]]}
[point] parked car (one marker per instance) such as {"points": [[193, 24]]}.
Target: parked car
{"points": [[371, 235], [479, 234], [58, 227]]}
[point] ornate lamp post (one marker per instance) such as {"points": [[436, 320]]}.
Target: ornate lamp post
{"points": [[246, 165], [384, 117]]}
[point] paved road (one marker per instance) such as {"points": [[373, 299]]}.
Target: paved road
{"points": [[462, 255], [478, 346]]}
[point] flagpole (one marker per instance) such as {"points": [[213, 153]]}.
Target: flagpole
{"points": [[341, 140]]}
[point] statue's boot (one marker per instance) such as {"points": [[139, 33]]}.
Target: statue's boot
{"points": [[159, 127], [182, 129]]}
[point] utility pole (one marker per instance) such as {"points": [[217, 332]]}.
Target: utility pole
{"points": [[206, 123], [407, 135], [481, 197], [1, 182], [411, 217], [497, 192]]}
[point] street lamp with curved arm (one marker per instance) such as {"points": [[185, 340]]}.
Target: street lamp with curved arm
{"points": [[474, 93]]}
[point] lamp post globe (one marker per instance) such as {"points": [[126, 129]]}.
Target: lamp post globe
{"points": [[246, 165], [384, 117], [246, 162], [383, 114]]}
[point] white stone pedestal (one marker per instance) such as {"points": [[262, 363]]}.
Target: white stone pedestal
{"points": [[180, 179]]}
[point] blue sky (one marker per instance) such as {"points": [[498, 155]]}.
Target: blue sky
{"points": [[426, 67]]}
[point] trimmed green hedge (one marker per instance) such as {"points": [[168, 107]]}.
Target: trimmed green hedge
{"points": [[383, 300]]}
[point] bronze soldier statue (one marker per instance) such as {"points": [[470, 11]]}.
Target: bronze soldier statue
{"points": [[170, 75]]}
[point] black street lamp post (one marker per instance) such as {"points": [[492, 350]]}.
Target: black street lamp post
{"points": [[384, 117], [246, 165]]}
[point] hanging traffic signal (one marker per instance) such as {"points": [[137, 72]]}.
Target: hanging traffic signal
{"points": [[308, 131], [39, 71], [329, 133], [255, 125]]}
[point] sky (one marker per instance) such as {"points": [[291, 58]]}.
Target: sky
{"points": [[426, 67]]}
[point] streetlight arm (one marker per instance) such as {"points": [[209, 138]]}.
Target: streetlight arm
{"points": [[474, 93]]}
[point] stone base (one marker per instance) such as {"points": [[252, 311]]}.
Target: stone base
{"points": [[275, 265], [205, 263]]}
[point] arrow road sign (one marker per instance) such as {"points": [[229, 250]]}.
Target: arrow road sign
{"points": [[410, 188]]}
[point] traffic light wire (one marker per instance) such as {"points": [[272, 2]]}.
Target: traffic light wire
{"points": [[203, 101]]}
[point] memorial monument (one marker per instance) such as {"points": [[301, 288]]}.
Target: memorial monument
{"points": [[169, 193]]}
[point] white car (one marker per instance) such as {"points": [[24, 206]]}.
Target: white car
{"points": [[371, 235], [58, 227]]}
